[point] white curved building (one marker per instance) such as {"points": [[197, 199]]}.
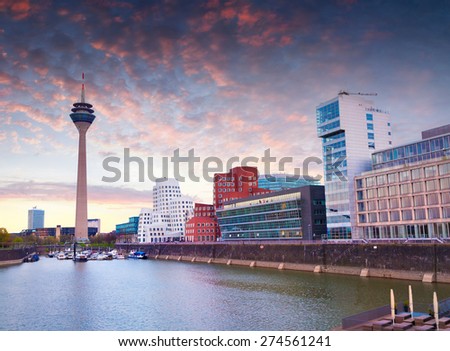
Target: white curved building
{"points": [[167, 219]]}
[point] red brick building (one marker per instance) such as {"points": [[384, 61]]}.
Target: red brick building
{"points": [[238, 183], [203, 226]]}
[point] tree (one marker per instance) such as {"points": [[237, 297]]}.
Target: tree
{"points": [[5, 237]]}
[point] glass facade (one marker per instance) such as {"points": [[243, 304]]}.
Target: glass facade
{"points": [[131, 227], [277, 182], [424, 150], [271, 217]]}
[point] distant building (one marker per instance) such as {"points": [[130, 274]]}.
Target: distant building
{"points": [[94, 223], [35, 218], [53, 231], [277, 182], [407, 195], [203, 226], [166, 220], [351, 129], [298, 213], [239, 182]]}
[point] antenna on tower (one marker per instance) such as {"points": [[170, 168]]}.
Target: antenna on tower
{"points": [[82, 88]]}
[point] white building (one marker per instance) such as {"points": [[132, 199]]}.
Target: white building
{"points": [[351, 129], [167, 219]]}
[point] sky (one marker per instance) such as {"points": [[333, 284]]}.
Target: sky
{"points": [[222, 78]]}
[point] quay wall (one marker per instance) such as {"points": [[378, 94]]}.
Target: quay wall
{"points": [[14, 256], [427, 262]]}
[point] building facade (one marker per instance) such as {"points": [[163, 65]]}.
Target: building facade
{"points": [[239, 182], [36, 218], [277, 182], [407, 195], [128, 228], [167, 219], [298, 213], [351, 129], [203, 226]]}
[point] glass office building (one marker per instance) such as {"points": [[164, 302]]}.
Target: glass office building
{"points": [[351, 129], [289, 214], [35, 218], [130, 227]]}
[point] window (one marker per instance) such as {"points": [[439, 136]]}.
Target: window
{"points": [[369, 117], [372, 205], [433, 213], [444, 169], [404, 176], [393, 190], [417, 187], [430, 171], [392, 178], [371, 145], [369, 126], [371, 136], [381, 180], [419, 200], [432, 199], [419, 214], [406, 201], [431, 185], [383, 204], [394, 203], [395, 215], [407, 215], [405, 189], [384, 217], [416, 173], [445, 183]]}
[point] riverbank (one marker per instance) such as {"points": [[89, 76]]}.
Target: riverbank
{"points": [[418, 262]]}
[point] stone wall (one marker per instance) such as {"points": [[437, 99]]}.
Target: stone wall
{"points": [[404, 261]]}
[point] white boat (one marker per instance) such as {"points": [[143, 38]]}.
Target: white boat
{"points": [[121, 256], [61, 256], [81, 257]]}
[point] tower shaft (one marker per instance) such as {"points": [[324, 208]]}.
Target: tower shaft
{"points": [[81, 217]]}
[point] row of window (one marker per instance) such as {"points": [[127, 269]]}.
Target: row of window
{"points": [[404, 176], [405, 215], [405, 202], [404, 189]]}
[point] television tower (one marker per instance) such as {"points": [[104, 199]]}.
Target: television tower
{"points": [[82, 117]]}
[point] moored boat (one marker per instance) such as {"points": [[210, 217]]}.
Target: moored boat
{"points": [[138, 254]]}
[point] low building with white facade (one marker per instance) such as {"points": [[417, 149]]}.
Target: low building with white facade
{"points": [[167, 219], [407, 195]]}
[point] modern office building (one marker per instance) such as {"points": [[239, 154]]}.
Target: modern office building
{"points": [[407, 195], [203, 226], [82, 116], [277, 182], [298, 213], [239, 182], [128, 228], [35, 218], [351, 129], [167, 219]]}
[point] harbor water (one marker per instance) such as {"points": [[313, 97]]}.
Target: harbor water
{"points": [[168, 295]]}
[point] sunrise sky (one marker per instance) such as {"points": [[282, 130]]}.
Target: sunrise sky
{"points": [[227, 78]]}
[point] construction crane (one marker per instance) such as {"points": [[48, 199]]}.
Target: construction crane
{"points": [[344, 92]]}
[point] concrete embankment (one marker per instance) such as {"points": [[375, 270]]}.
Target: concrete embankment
{"points": [[13, 256], [423, 262]]}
